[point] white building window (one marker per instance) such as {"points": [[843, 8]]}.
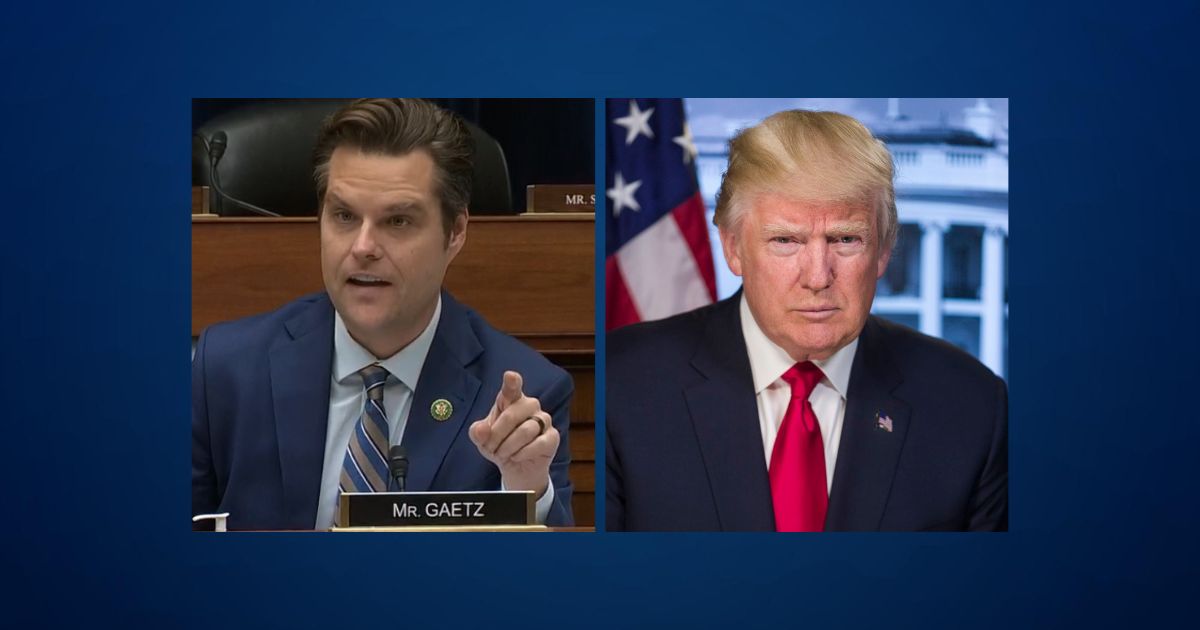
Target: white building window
{"points": [[959, 158]]}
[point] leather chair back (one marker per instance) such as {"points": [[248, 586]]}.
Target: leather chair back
{"points": [[268, 159]]}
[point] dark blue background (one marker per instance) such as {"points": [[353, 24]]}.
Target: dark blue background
{"points": [[95, 304]]}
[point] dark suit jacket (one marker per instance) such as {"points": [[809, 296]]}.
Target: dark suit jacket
{"points": [[260, 405], [684, 448]]}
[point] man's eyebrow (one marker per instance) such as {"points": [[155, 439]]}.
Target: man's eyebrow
{"points": [[849, 227], [780, 229], [404, 206], [836, 229], [331, 198]]}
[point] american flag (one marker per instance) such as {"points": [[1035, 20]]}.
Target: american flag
{"points": [[658, 257]]}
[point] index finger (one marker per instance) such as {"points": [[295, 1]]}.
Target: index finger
{"points": [[510, 391]]}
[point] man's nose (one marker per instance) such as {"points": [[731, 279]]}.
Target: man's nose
{"points": [[365, 244], [816, 265]]}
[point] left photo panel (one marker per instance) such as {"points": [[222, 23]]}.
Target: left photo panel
{"points": [[393, 315]]}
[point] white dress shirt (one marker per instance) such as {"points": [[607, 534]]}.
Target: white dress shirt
{"points": [[768, 362], [347, 398]]}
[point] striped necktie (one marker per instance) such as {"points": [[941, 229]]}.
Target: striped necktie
{"points": [[365, 467]]}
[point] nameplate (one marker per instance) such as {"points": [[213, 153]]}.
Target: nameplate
{"points": [[403, 509], [541, 198]]}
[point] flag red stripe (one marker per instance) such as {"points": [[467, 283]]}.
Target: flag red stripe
{"points": [[689, 216], [621, 311]]}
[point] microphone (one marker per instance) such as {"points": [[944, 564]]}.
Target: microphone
{"points": [[398, 465], [216, 150], [216, 147]]}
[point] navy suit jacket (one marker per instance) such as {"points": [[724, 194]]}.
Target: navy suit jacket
{"points": [[260, 405], [684, 447]]}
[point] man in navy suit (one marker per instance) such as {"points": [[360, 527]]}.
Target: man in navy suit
{"points": [[293, 407], [787, 407]]}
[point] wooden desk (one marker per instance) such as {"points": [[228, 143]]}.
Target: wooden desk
{"points": [[530, 276]]}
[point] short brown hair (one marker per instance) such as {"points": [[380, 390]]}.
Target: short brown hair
{"points": [[819, 156], [398, 126]]}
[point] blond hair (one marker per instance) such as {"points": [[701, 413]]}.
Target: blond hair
{"points": [[814, 156]]}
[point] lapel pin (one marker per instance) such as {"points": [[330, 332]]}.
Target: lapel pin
{"points": [[441, 410], [882, 421]]}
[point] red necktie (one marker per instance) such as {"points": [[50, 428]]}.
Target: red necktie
{"points": [[798, 459]]}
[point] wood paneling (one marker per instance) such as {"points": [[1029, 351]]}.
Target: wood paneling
{"points": [[582, 443], [583, 475], [242, 267], [584, 508], [530, 276]]}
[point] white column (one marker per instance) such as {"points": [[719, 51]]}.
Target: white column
{"points": [[893, 112], [991, 321], [931, 277]]}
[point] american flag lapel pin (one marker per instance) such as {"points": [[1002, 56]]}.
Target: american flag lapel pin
{"points": [[882, 421]]}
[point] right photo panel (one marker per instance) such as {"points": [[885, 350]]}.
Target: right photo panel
{"points": [[806, 314]]}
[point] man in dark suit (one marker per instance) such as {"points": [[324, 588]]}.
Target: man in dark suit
{"points": [[787, 407], [291, 408]]}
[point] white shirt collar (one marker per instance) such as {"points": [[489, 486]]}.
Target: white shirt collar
{"points": [[768, 361], [349, 357]]}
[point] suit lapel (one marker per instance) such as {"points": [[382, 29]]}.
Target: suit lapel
{"points": [[300, 367], [868, 455], [725, 416], [443, 376]]}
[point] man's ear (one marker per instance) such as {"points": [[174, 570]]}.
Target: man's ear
{"points": [[882, 263], [731, 245], [458, 234]]}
